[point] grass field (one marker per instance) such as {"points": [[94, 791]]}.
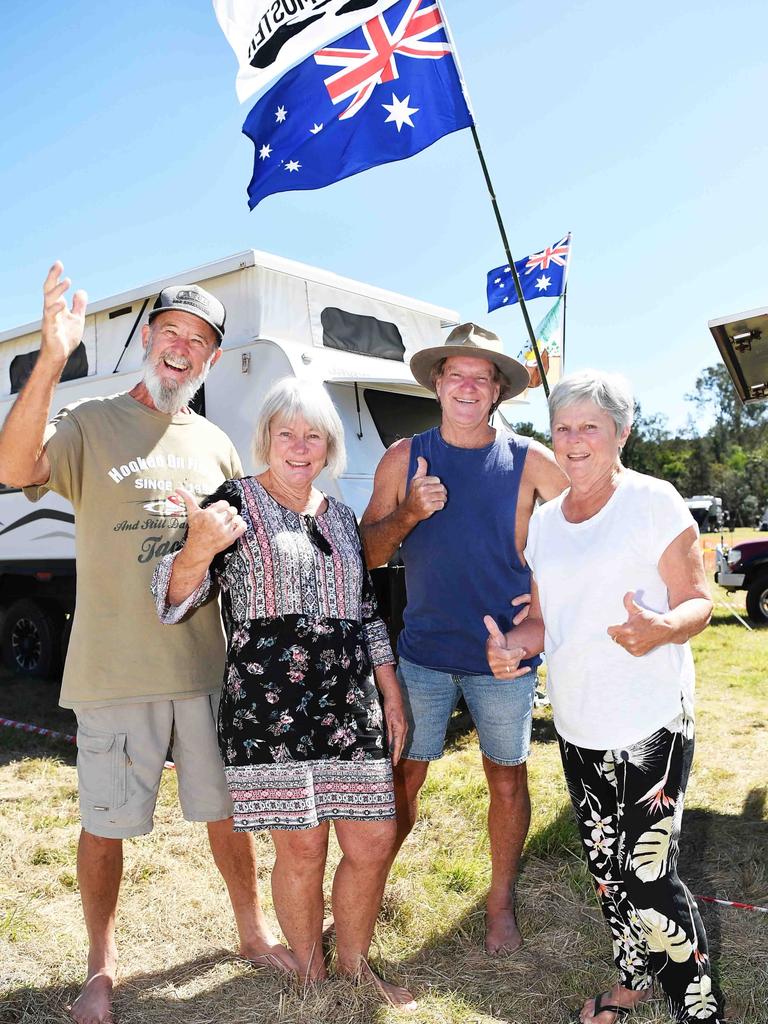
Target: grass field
{"points": [[175, 928]]}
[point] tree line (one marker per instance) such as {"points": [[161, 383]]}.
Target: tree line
{"points": [[727, 458]]}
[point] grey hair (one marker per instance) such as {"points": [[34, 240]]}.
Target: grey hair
{"points": [[290, 398], [608, 391]]}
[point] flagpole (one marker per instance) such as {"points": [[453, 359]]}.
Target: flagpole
{"points": [[562, 343], [508, 254], [495, 205]]}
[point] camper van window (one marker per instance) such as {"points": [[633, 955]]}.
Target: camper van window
{"points": [[365, 335], [21, 367], [397, 416], [197, 403]]}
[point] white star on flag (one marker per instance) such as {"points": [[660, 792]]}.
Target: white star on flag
{"points": [[505, 299], [280, 114], [264, 152], [400, 112], [315, 129], [292, 165], [497, 280], [507, 270], [543, 282]]}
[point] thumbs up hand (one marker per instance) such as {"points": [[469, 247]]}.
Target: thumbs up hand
{"points": [[211, 529], [643, 630], [426, 494], [503, 658]]}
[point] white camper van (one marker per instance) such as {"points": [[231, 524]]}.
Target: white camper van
{"points": [[283, 318]]}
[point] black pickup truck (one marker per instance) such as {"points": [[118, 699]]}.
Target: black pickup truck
{"points": [[745, 567]]}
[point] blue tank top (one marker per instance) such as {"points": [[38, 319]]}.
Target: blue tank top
{"points": [[461, 563]]}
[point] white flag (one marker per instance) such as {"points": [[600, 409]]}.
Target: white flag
{"points": [[270, 36]]}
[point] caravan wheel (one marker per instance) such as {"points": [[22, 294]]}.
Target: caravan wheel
{"points": [[31, 639]]}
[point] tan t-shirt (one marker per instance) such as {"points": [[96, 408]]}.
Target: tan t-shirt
{"points": [[119, 463]]}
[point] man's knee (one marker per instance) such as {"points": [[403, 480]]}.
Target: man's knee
{"points": [[506, 782], [99, 846]]}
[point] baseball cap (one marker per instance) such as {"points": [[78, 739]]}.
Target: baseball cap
{"points": [[191, 298]]}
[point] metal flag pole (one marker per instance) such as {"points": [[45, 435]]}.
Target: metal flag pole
{"points": [[495, 205]]}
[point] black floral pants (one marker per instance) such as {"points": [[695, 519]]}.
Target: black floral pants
{"points": [[629, 805]]}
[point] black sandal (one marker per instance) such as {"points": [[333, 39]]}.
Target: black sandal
{"points": [[617, 1011]]}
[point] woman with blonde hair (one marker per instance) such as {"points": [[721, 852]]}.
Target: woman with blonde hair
{"points": [[311, 717]]}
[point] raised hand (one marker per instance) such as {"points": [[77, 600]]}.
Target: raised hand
{"points": [[213, 528], [643, 630], [426, 494], [503, 658], [62, 328]]}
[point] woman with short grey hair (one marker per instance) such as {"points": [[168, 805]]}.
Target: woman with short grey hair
{"points": [[619, 586], [608, 391], [306, 735]]}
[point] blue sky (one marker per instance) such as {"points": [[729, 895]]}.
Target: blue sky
{"points": [[641, 129]]}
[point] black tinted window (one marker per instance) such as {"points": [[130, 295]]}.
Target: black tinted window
{"points": [[366, 335], [397, 416], [21, 367]]}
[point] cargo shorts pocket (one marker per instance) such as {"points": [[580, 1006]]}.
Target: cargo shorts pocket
{"points": [[102, 769]]}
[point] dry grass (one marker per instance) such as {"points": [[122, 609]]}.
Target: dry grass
{"points": [[175, 928]]}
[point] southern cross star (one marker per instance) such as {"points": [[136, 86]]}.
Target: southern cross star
{"points": [[400, 112], [265, 152], [280, 114], [292, 165], [315, 129]]}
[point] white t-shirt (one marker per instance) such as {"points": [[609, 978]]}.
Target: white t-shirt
{"points": [[602, 697]]}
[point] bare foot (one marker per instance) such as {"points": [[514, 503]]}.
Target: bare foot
{"points": [[270, 954], [94, 1004], [502, 936], [618, 996], [393, 995]]}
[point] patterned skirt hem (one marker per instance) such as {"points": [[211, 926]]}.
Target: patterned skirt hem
{"points": [[301, 794], [261, 825]]}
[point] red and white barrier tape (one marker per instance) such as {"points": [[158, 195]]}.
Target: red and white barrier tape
{"points": [[732, 903], [38, 730]]}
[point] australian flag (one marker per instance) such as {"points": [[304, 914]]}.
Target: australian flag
{"points": [[543, 274], [383, 92]]}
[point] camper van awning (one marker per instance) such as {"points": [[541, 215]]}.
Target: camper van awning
{"points": [[404, 383], [743, 343]]}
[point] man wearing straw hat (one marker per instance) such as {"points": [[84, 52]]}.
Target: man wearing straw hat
{"points": [[458, 499]]}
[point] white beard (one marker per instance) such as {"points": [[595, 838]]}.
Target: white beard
{"points": [[171, 396]]}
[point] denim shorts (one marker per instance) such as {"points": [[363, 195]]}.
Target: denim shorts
{"points": [[500, 708]]}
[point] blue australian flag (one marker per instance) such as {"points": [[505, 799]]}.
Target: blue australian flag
{"points": [[383, 92], [544, 274]]}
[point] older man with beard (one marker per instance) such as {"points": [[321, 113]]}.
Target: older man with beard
{"points": [[135, 687]]}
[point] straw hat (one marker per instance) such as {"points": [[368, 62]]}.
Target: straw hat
{"points": [[471, 340]]}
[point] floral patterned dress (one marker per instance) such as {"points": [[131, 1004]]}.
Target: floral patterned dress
{"points": [[301, 728]]}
